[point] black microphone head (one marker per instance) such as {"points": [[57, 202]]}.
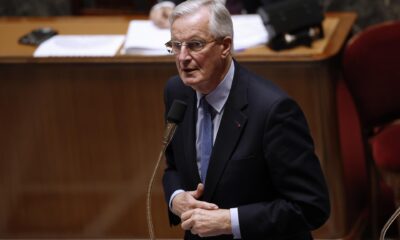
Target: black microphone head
{"points": [[176, 112]]}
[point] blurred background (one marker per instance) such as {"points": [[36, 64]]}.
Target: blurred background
{"points": [[368, 11], [73, 131]]}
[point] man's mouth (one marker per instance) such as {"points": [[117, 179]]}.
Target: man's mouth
{"points": [[188, 70]]}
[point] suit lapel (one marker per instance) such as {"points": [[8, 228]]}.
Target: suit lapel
{"points": [[232, 125], [189, 143]]}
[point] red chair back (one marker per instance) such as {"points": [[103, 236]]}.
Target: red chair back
{"points": [[371, 66]]}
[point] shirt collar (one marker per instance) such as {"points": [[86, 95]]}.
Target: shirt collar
{"points": [[218, 97]]}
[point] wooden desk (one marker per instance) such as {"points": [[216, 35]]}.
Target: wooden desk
{"points": [[79, 136]]}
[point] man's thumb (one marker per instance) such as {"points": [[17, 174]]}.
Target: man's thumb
{"points": [[199, 191]]}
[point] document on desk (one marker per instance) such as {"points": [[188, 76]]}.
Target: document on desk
{"points": [[248, 31], [80, 46], [144, 38]]}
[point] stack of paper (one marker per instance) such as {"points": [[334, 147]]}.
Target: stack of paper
{"points": [[80, 46], [248, 31], [143, 37]]}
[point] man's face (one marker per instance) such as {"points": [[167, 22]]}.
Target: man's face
{"points": [[202, 69]]}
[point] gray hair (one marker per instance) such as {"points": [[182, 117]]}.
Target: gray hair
{"points": [[220, 20]]}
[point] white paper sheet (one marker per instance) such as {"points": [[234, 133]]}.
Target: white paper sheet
{"points": [[249, 31], [143, 37], [80, 46]]}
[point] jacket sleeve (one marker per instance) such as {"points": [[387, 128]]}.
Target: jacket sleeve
{"points": [[303, 200], [171, 178]]}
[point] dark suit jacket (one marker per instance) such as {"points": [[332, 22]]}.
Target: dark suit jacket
{"points": [[262, 162], [250, 6]]}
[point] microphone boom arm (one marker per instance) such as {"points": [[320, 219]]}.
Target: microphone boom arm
{"points": [[168, 134], [175, 115]]}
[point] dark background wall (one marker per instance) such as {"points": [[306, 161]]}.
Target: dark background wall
{"points": [[369, 11], [34, 7], [69, 7]]}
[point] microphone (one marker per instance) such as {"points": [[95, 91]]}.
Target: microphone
{"points": [[175, 116]]}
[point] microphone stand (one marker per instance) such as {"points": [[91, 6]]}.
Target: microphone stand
{"points": [[388, 223], [175, 115], [168, 134]]}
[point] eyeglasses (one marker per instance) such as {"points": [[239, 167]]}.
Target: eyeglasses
{"points": [[174, 47]]}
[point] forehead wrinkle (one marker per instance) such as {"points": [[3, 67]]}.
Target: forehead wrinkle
{"points": [[191, 26], [187, 36]]}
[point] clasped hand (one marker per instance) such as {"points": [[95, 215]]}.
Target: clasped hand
{"points": [[202, 218]]}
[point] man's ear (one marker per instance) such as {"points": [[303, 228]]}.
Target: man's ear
{"points": [[227, 45]]}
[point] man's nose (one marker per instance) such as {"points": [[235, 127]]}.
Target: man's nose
{"points": [[184, 53]]}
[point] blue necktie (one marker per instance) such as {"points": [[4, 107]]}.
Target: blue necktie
{"points": [[206, 137]]}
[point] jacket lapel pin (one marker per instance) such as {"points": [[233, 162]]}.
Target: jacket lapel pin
{"points": [[237, 124]]}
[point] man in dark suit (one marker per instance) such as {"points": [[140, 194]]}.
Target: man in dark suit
{"points": [[262, 179], [160, 12]]}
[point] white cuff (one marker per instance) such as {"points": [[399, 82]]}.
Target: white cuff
{"points": [[172, 197], [235, 223]]}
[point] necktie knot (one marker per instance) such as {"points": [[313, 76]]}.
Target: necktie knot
{"points": [[207, 108]]}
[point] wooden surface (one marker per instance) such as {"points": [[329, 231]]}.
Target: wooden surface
{"points": [[336, 27], [79, 136]]}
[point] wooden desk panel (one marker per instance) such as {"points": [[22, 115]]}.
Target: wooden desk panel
{"points": [[80, 136]]}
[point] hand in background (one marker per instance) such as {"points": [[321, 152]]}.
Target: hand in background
{"points": [[159, 15], [186, 201]]}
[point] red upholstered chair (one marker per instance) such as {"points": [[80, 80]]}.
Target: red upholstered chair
{"points": [[371, 70]]}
